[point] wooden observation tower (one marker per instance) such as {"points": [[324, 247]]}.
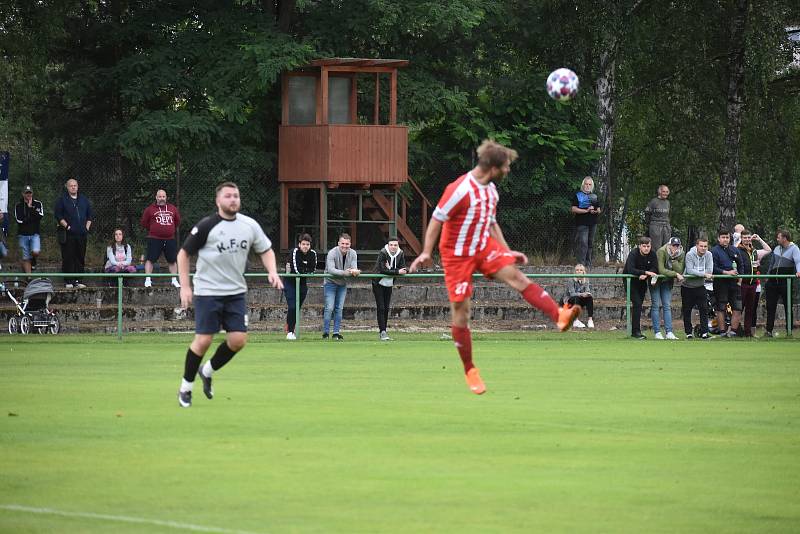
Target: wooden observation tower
{"points": [[343, 159]]}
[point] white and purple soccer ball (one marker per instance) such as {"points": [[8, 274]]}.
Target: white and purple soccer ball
{"points": [[562, 84]]}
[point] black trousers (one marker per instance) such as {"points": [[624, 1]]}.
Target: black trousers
{"points": [[383, 299], [776, 290], [587, 303], [691, 297], [73, 255], [638, 291], [289, 291]]}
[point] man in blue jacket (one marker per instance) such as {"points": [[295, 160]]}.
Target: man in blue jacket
{"points": [[73, 211], [727, 260]]}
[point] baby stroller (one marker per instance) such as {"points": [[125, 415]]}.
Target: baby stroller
{"points": [[33, 311]]}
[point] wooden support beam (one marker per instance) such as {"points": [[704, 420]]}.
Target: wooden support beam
{"points": [[393, 103], [377, 110], [323, 80]]}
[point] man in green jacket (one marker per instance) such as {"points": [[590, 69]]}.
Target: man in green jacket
{"points": [[670, 266]]}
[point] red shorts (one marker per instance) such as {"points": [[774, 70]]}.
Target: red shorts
{"points": [[458, 270]]}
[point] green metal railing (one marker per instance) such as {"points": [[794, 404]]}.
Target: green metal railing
{"points": [[120, 277]]}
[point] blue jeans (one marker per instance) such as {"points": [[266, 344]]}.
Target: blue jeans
{"points": [[334, 303], [29, 245], [661, 296]]}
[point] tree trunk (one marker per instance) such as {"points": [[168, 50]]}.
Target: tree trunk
{"points": [[605, 86], [735, 110]]}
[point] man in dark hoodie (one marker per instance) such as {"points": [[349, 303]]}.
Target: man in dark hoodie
{"points": [[73, 212], [391, 262], [29, 212], [727, 260], [302, 260], [642, 262]]}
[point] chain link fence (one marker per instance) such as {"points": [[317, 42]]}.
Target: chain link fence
{"points": [[534, 205]]}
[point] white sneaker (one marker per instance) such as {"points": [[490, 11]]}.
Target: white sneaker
{"points": [[80, 285], [175, 282], [68, 286], [590, 323], [659, 335], [290, 336], [148, 282], [577, 324], [670, 335]]}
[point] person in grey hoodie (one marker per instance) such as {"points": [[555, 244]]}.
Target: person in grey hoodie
{"points": [[698, 269], [342, 263], [656, 216]]}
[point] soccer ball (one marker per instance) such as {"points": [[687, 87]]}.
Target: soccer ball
{"points": [[562, 84]]}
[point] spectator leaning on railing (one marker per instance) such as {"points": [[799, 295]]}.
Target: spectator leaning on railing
{"points": [[342, 263], [302, 260], [642, 263], [670, 265], [728, 261], [750, 260], [698, 270], [785, 260]]}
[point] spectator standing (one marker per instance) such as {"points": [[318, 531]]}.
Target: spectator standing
{"points": [[750, 261], [757, 256], [119, 256], [785, 260], [643, 264], [29, 212], [586, 209], [727, 260], [671, 259], [74, 215], [390, 262], [698, 270], [736, 236], [578, 292], [161, 220], [656, 216], [342, 263], [302, 260]]}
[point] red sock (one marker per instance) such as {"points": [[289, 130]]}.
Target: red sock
{"points": [[539, 298], [462, 339]]}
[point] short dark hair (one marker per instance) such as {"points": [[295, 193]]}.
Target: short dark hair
{"points": [[304, 237], [723, 231], [392, 238], [644, 240], [785, 233], [701, 238], [746, 232], [344, 236], [225, 184]]}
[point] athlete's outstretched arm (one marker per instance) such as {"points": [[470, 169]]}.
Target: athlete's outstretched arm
{"points": [[431, 237], [497, 233], [268, 260]]}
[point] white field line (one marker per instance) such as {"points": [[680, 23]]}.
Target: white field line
{"points": [[120, 518]]}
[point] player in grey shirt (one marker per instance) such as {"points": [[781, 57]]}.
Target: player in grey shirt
{"points": [[222, 243]]}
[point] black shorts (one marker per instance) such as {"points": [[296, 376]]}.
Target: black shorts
{"points": [[726, 291], [156, 246], [213, 312]]}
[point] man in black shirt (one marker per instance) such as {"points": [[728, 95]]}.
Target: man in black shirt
{"points": [[302, 260], [28, 212], [642, 262]]}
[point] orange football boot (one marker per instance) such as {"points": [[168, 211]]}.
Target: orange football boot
{"points": [[566, 315], [474, 381]]}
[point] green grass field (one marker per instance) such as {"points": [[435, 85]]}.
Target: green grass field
{"points": [[581, 432]]}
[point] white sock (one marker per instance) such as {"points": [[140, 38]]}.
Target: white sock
{"points": [[207, 370], [186, 386]]}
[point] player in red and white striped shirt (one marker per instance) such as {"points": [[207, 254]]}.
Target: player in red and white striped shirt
{"points": [[466, 217]]}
